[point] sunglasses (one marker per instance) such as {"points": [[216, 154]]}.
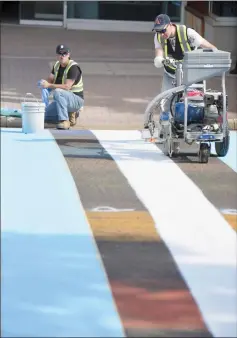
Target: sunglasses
{"points": [[62, 54], [162, 31]]}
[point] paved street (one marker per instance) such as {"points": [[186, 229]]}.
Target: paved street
{"points": [[102, 234], [119, 76]]}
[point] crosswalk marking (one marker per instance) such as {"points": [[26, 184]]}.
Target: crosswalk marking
{"points": [[50, 236], [53, 281], [200, 240]]}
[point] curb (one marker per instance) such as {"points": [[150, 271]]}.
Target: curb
{"points": [[15, 122]]}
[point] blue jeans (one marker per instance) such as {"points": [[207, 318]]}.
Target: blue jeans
{"points": [[64, 102], [166, 84]]}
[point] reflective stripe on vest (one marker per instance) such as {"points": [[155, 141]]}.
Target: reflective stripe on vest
{"points": [[75, 88], [182, 40]]}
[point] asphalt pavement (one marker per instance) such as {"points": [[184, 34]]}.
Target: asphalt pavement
{"points": [[119, 76]]}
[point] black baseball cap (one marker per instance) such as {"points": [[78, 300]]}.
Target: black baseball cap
{"points": [[161, 21], [60, 49]]}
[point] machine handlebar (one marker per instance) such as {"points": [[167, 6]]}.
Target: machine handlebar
{"points": [[170, 61]]}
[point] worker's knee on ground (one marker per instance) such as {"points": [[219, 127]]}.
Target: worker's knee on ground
{"points": [[57, 93]]}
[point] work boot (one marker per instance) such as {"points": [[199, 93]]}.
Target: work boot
{"points": [[73, 118], [63, 124]]}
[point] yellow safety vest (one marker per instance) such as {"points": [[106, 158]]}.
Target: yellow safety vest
{"points": [[182, 41], [75, 88]]}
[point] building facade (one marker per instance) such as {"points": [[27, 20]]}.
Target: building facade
{"points": [[102, 15], [215, 20]]}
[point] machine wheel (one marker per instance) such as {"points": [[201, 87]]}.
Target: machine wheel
{"points": [[223, 147], [204, 153]]}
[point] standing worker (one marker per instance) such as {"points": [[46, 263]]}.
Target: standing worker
{"points": [[172, 41], [66, 83]]}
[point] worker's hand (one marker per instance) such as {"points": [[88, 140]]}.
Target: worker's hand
{"points": [[45, 84], [158, 61], [172, 62]]}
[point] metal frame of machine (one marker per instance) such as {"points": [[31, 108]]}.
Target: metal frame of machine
{"points": [[163, 131]]}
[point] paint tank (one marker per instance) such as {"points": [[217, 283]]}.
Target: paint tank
{"points": [[195, 113]]}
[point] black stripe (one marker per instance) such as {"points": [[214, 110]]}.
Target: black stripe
{"points": [[145, 266]]}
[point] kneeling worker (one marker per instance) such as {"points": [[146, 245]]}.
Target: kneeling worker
{"points": [[66, 82]]}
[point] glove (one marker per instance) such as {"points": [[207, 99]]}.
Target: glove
{"points": [[44, 84], [39, 83], [158, 61]]}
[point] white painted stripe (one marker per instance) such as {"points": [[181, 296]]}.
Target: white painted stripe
{"points": [[200, 240], [231, 158], [229, 211], [53, 281]]}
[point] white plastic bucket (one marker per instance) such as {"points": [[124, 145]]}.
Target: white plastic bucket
{"points": [[32, 115]]}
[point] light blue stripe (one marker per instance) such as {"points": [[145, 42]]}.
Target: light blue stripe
{"points": [[231, 158], [53, 282]]}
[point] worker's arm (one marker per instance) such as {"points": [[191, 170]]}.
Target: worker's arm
{"points": [[158, 61], [66, 86], [206, 44], [50, 79], [159, 53], [72, 75], [197, 41]]}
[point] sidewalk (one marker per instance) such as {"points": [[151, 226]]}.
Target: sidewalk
{"points": [[118, 72]]}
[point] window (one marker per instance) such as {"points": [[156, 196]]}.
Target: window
{"points": [[123, 10], [201, 7], [41, 10], [224, 8]]}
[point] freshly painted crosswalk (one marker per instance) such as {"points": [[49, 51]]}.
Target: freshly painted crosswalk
{"points": [[53, 282], [203, 246], [53, 279]]}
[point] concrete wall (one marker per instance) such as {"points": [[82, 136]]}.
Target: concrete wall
{"points": [[194, 22], [223, 34]]}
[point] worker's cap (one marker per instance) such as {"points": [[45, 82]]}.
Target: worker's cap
{"points": [[61, 49], [161, 21]]}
